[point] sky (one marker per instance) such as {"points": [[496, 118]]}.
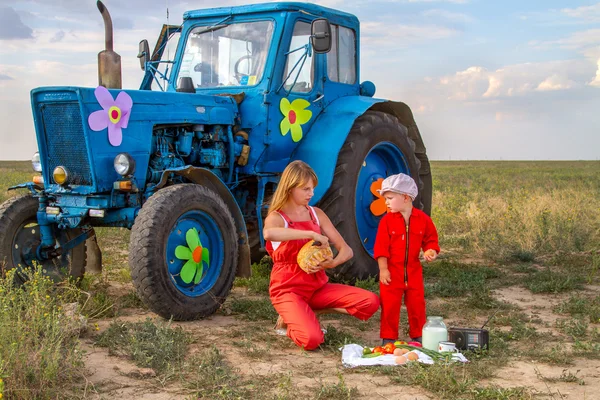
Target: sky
{"points": [[486, 79]]}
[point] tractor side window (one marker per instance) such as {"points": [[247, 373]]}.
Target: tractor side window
{"points": [[341, 60], [303, 72]]}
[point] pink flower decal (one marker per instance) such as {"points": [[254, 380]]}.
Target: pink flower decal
{"points": [[114, 114]]}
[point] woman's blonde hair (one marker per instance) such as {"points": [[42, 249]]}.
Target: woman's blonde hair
{"points": [[296, 174]]}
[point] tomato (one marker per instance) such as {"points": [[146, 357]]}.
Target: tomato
{"points": [[379, 349], [389, 348], [366, 351]]}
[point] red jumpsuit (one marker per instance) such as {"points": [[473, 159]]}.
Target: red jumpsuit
{"points": [[295, 294], [405, 270]]}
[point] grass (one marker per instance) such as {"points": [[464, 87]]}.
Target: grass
{"points": [[148, 344], [40, 356], [508, 210], [250, 309], [580, 306], [548, 281], [258, 283], [448, 278]]}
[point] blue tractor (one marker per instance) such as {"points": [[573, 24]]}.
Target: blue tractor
{"points": [[188, 161]]}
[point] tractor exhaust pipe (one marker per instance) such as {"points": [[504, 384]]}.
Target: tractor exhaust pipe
{"points": [[109, 62]]}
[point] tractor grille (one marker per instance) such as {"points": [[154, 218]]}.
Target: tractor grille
{"points": [[65, 141]]}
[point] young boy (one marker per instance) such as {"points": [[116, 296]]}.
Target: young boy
{"points": [[401, 235]]}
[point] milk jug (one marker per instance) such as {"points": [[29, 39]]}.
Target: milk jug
{"points": [[434, 331]]}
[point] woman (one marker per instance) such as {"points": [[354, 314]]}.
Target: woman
{"points": [[296, 294]]}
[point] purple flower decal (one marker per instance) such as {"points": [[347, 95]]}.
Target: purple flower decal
{"points": [[114, 114]]}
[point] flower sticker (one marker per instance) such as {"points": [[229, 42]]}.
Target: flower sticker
{"points": [[294, 116], [378, 206], [195, 255], [114, 114]]}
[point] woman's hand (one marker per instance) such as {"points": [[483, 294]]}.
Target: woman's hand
{"points": [[324, 240], [430, 255], [327, 263]]}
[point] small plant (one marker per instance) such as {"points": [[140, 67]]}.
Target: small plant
{"points": [[336, 338], [576, 328], [338, 391], [259, 280], [39, 350], [453, 279], [548, 281], [370, 284], [523, 256], [148, 344], [251, 310]]}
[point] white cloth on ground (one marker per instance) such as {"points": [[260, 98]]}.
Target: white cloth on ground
{"points": [[352, 356]]}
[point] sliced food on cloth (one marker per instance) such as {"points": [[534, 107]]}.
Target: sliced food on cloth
{"points": [[354, 355]]}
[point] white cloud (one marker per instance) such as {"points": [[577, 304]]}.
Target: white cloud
{"points": [[447, 15], [585, 13], [596, 81], [556, 82], [391, 34], [479, 84]]}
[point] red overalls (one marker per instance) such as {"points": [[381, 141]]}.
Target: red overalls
{"points": [[295, 294], [393, 242]]}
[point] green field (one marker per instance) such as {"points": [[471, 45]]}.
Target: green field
{"points": [[518, 238]]}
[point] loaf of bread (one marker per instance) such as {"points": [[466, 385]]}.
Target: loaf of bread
{"points": [[310, 255]]}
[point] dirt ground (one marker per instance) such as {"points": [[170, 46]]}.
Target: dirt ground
{"points": [[117, 377]]}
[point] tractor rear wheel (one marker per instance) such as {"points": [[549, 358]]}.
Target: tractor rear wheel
{"points": [[183, 252], [20, 239], [376, 147]]}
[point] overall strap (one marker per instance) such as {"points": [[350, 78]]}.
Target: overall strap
{"points": [[313, 215]]}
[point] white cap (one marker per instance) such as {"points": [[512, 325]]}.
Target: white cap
{"points": [[399, 183]]}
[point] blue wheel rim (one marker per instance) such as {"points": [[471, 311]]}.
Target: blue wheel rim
{"points": [[211, 239], [383, 160]]}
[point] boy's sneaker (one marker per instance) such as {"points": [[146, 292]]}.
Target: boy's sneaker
{"points": [[417, 339], [386, 341]]}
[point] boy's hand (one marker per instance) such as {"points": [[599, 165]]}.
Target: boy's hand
{"points": [[385, 277], [430, 255]]}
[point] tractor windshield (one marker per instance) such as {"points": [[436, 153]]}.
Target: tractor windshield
{"points": [[230, 55]]}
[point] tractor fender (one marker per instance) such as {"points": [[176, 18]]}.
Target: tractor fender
{"points": [[321, 145], [205, 177], [327, 135]]}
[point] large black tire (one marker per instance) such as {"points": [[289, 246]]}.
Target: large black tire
{"points": [[371, 129], [155, 227], [20, 238]]}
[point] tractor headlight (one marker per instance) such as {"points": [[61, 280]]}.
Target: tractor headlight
{"points": [[36, 163], [60, 175], [124, 164]]}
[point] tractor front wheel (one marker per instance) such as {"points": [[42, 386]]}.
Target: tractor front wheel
{"points": [[20, 239], [183, 252]]}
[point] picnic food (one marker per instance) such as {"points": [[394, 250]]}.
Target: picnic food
{"points": [[389, 348], [400, 352], [412, 356], [401, 360], [311, 254]]}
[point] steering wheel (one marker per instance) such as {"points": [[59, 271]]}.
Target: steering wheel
{"points": [[239, 75]]}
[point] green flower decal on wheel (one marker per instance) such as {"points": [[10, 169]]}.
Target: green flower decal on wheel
{"points": [[195, 255]]}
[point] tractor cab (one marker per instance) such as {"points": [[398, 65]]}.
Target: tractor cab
{"points": [[282, 60]]}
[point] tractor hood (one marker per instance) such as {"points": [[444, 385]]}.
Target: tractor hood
{"points": [[67, 135]]}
